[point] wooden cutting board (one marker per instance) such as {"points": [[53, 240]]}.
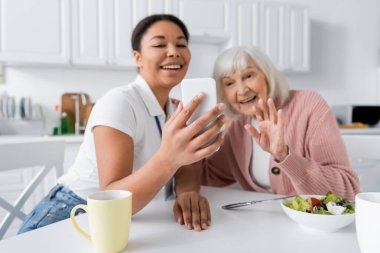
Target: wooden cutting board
{"points": [[68, 106], [85, 113]]}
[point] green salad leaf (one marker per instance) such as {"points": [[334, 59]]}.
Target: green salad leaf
{"points": [[330, 197], [299, 204], [327, 205], [349, 209]]}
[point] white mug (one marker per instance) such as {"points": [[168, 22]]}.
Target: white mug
{"points": [[367, 215]]}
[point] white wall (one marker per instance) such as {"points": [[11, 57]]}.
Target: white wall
{"points": [[345, 43]]}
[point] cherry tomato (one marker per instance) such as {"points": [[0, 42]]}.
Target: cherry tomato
{"points": [[315, 202]]}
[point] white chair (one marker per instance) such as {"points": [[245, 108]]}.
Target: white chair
{"points": [[44, 154]]}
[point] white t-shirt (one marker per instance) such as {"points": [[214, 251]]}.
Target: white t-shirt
{"points": [[260, 163], [130, 109]]}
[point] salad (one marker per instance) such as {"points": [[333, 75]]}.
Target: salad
{"points": [[328, 205]]}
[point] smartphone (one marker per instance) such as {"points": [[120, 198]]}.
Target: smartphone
{"points": [[192, 87]]}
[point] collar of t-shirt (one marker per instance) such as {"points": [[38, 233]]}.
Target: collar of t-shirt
{"points": [[151, 102]]}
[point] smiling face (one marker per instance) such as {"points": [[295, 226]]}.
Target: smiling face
{"points": [[243, 88], [164, 56]]}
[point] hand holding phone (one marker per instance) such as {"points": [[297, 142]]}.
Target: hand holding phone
{"points": [[192, 87]]}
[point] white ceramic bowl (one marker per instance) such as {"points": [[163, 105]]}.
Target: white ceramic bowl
{"points": [[319, 222]]}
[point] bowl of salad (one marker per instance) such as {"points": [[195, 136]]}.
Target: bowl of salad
{"points": [[327, 213]]}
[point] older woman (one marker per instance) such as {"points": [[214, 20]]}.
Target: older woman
{"points": [[282, 141]]}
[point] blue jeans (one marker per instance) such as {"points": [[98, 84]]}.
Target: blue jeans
{"points": [[56, 206]]}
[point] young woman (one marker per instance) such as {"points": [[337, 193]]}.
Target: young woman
{"points": [[296, 149], [136, 139]]}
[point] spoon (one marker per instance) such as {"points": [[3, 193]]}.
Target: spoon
{"points": [[240, 204]]}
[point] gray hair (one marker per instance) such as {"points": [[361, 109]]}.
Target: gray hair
{"points": [[236, 59]]}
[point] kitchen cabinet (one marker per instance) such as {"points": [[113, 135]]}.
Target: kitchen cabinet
{"points": [[272, 35], [247, 29], [99, 31], [35, 31], [207, 21], [298, 59], [123, 18], [280, 30], [89, 32], [102, 29]]}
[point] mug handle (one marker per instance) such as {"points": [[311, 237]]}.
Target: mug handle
{"points": [[75, 224]]}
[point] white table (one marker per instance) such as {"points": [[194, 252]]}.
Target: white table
{"points": [[260, 228]]}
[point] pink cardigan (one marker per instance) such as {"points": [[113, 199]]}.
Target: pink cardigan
{"points": [[317, 160]]}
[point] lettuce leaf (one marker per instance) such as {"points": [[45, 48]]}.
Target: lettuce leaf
{"points": [[299, 204]]}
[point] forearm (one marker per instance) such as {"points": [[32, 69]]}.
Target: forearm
{"points": [[309, 176], [187, 179], [326, 167], [146, 182]]}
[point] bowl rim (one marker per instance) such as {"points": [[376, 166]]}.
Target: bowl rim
{"points": [[313, 214]]}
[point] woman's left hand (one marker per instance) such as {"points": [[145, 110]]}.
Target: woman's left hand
{"points": [[271, 134], [192, 210]]}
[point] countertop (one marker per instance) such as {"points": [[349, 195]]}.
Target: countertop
{"points": [[26, 138], [360, 131]]}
